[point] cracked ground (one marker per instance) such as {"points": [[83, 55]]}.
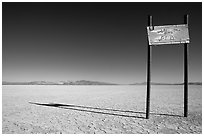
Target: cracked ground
{"points": [[99, 110]]}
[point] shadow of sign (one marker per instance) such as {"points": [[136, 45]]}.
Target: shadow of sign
{"points": [[99, 110]]}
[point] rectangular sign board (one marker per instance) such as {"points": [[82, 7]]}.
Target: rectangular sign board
{"points": [[168, 34]]}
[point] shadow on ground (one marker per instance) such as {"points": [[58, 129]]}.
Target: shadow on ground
{"points": [[100, 110]]}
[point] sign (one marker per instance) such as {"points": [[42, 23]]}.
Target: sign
{"points": [[168, 34]]}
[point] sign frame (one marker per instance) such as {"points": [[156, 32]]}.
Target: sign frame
{"points": [[169, 33]]}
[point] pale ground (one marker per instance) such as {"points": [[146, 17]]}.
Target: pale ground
{"points": [[99, 109]]}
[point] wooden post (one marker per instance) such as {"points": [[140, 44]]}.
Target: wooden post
{"points": [[186, 17], [149, 57]]}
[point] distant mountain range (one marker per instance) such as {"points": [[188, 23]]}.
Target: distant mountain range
{"points": [[85, 82], [80, 82]]}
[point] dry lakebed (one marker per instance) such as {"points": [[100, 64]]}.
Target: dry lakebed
{"points": [[99, 109]]}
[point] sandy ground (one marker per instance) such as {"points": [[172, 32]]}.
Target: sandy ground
{"points": [[99, 109]]}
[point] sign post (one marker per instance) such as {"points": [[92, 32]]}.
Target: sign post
{"points": [[186, 72], [149, 59], [167, 34]]}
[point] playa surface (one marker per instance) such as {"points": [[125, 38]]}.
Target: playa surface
{"points": [[99, 109]]}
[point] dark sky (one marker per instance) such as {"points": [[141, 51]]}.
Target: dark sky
{"points": [[95, 41]]}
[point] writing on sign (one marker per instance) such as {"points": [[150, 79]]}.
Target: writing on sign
{"points": [[169, 34]]}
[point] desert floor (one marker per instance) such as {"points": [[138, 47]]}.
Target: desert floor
{"points": [[99, 109]]}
